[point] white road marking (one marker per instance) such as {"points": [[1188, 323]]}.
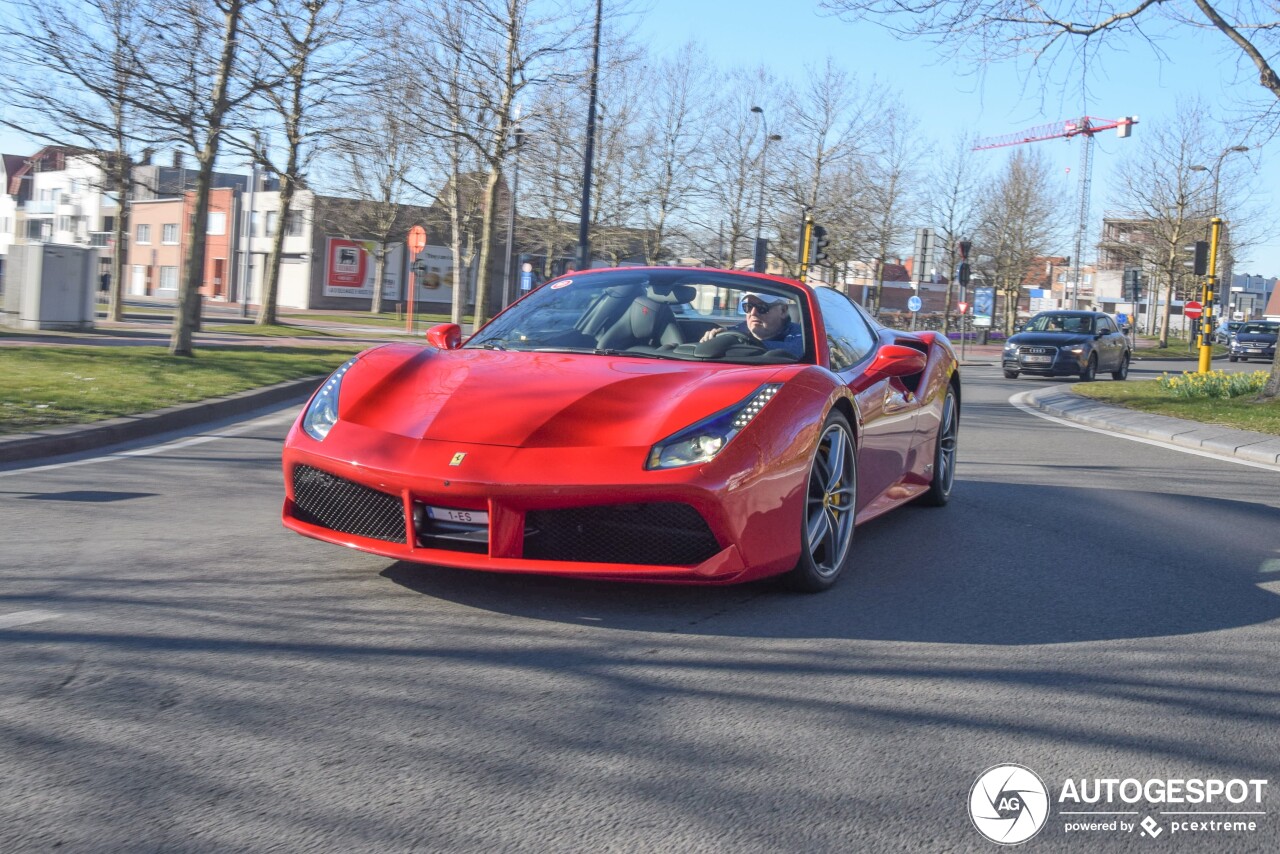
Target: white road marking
{"points": [[26, 618], [177, 444], [1015, 401]]}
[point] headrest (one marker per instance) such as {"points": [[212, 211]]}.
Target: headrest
{"points": [[671, 294]]}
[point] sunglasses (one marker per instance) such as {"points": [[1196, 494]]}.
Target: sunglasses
{"points": [[757, 307]]}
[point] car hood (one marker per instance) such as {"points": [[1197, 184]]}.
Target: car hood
{"points": [[1256, 337], [522, 399], [1049, 339]]}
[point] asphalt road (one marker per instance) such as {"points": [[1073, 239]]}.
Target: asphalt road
{"points": [[179, 673]]}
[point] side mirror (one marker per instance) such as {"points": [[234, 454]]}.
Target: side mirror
{"points": [[446, 336], [894, 360]]}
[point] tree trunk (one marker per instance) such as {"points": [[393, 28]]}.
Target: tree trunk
{"points": [[271, 281], [481, 312]]}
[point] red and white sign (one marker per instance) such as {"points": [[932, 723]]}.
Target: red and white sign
{"points": [[1192, 309], [964, 306]]}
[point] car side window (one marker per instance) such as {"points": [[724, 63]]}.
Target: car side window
{"points": [[1105, 325], [849, 337]]}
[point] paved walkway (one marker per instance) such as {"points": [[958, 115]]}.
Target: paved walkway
{"points": [[1054, 402]]}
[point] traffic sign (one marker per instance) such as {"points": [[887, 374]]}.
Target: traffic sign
{"points": [[1192, 309], [417, 240], [914, 303], [964, 306]]}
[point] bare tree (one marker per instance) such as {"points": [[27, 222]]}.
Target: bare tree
{"points": [[1169, 202], [956, 185], [196, 78], [310, 46], [1007, 29], [1019, 224], [830, 118], [73, 67]]}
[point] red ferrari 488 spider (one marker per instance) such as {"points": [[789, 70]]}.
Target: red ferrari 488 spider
{"points": [[657, 424]]}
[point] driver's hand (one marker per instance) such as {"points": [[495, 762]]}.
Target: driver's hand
{"points": [[712, 333]]}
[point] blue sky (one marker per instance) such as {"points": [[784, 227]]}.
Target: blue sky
{"points": [[784, 36], [948, 99]]}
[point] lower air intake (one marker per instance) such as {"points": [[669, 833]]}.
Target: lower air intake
{"points": [[663, 534], [332, 502]]}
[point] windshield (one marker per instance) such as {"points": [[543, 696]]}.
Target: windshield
{"points": [[1261, 328], [693, 314], [1074, 324]]}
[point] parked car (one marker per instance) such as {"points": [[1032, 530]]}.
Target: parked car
{"points": [[689, 425], [1255, 339], [1226, 329], [1065, 343]]}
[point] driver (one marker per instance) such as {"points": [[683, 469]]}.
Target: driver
{"points": [[768, 323]]}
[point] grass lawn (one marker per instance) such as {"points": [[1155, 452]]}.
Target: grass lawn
{"points": [[1240, 413], [49, 386]]}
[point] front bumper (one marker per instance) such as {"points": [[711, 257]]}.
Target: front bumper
{"points": [[1044, 361], [549, 511], [1253, 350]]}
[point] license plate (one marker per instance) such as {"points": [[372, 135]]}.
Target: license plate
{"points": [[1037, 359], [448, 514]]}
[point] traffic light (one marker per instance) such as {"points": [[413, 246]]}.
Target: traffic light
{"points": [[820, 243], [963, 274], [1200, 265], [1132, 291]]}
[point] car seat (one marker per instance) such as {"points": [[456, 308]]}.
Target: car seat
{"points": [[650, 320]]}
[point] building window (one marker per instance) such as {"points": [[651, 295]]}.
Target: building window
{"points": [[272, 216], [144, 233], [253, 224], [293, 224], [217, 222], [169, 233], [169, 278], [64, 223]]}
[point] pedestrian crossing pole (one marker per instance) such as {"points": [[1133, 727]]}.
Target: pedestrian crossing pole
{"points": [[806, 244], [1210, 285]]}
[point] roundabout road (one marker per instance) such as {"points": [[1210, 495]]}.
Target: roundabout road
{"points": [[179, 673]]}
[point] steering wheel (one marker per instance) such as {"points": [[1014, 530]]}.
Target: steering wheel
{"points": [[723, 342]]}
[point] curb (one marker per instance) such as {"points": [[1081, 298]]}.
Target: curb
{"points": [[1220, 441], [73, 438]]}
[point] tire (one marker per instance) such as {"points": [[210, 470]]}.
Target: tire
{"points": [[826, 525], [944, 454], [1122, 372], [1244, 358], [1010, 375], [1090, 370], [1231, 358]]}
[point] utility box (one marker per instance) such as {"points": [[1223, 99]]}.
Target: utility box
{"points": [[50, 286]]}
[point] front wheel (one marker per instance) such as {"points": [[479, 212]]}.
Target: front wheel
{"points": [[1090, 370], [944, 454], [1123, 371], [826, 528], [1010, 375]]}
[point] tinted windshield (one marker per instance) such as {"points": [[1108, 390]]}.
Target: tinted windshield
{"points": [[1075, 324], [1264, 328], [691, 314]]}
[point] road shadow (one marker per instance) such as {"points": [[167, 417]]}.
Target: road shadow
{"points": [[985, 570]]}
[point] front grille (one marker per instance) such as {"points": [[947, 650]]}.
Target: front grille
{"points": [[1037, 351], [332, 502], [662, 534]]}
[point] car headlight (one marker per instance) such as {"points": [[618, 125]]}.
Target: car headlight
{"points": [[1077, 350], [1010, 347], [700, 442], [322, 412]]}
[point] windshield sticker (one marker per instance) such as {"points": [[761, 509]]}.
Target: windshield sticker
{"points": [[558, 285]]}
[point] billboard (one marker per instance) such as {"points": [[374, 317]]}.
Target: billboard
{"points": [[350, 265], [984, 304]]}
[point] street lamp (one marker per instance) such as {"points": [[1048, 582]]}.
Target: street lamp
{"points": [[760, 256], [511, 211], [1216, 171]]}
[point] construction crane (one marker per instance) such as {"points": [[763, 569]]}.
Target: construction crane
{"points": [[1086, 126]]}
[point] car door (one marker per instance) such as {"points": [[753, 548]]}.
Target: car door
{"points": [[1110, 345], [887, 406]]}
